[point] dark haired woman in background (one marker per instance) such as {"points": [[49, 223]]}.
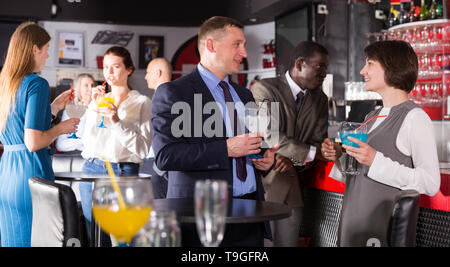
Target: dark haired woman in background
{"points": [[400, 151], [127, 138]]}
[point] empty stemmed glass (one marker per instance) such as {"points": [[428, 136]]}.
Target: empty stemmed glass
{"points": [[211, 204], [257, 119], [75, 109], [122, 207]]}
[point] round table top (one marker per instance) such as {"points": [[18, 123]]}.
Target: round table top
{"points": [[240, 210], [92, 177]]}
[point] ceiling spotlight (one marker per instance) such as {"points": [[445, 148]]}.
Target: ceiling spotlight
{"points": [[54, 8]]}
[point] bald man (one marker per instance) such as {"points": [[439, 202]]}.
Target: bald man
{"points": [[159, 71]]}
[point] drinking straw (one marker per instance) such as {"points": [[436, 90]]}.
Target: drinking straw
{"points": [[72, 94], [115, 185], [369, 120], [103, 84]]}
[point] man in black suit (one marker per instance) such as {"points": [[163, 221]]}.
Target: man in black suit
{"points": [[189, 150]]}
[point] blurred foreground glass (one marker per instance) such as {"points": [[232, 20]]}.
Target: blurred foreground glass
{"points": [[349, 129], [161, 230], [122, 219], [211, 203]]}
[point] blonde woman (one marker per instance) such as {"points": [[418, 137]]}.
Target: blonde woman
{"points": [[25, 130], [82, 86]]}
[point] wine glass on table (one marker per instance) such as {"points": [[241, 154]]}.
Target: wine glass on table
{"points": [[122, 207], [211, 204], [75, 109], [257, 119], [356, 130]]}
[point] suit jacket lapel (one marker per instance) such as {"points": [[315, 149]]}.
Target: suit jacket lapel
{"points": [[200, 87]]}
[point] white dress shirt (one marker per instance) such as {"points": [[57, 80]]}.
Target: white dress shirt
{"points": [[129, 140], [416, 139], [295, 89]]}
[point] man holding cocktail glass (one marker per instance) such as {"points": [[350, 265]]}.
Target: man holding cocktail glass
{"points": [[215, 154]]}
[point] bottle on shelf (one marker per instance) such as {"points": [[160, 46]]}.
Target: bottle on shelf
{"points": [[403, 16], [433, 14], [439, 11], [412, 12], [423, 12], [393, 17]]}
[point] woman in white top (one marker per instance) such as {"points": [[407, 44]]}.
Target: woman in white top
{"points": [[400, 152], [127, 138], [82, 86]]}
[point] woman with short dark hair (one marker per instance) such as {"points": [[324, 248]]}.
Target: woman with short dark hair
{"points": [[399, 154]]}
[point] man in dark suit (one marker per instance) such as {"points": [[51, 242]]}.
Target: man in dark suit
{"points": [[189, 150], [303, 125]]}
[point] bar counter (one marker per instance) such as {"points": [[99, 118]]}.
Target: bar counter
{"points": [[323, 202]]}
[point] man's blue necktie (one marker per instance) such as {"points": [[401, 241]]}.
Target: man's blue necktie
{"points": [[241, 169]]}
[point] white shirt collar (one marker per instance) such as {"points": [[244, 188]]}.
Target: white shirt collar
{"points": [[295, 89]]}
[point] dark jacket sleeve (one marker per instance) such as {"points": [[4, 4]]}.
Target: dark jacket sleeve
{"points": [[175, 152]]}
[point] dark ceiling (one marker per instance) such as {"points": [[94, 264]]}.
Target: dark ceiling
{"points": [[147, 12]]}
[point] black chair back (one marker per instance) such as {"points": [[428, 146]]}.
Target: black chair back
{"points": [[56, 215], [403, 222]]}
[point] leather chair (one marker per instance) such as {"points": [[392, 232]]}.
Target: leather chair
{"points": [[403, 222], [57, 220]]}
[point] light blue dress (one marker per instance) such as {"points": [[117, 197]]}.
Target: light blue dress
{"points": [[32, 111]]}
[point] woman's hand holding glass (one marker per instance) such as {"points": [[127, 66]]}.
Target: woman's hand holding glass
{"points": [[97, 92], [68, 126], [75, 109], [365, 154], [109, 110], [60, 102]]}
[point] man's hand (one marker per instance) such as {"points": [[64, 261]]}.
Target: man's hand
{"points": [[283, 164], [269, 156], [243, 145], [330, 151]]}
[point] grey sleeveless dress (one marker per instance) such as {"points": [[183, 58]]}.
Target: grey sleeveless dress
{"points": [[368, 204]]}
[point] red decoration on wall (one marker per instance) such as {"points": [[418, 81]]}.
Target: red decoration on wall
{"points": [[188, 56]]}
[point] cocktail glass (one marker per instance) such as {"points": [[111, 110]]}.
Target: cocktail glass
{"points": [[122, 211], [351, 129], [102, 103], [75, 109]]}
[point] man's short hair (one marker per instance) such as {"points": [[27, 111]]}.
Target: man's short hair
{"points": [[398, 60], [306, 50], [216, 23]]}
